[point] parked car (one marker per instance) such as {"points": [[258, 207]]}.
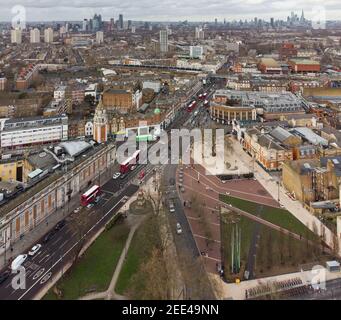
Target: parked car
{"points": [[48, 236], [77, 210], [178, 228], [89, 206], [59, 225], [18, 261], [116, 175], [4, 276], [34, 250]]}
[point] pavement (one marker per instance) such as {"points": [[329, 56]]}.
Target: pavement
{"points": [[294, 207], [49, 264], [237, 291], [30, 238]]}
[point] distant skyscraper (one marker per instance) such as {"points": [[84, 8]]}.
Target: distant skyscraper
{"points": [[48, 35], [99, 37], [272, 22], [35, 35], [163, 40], [16, 36], [85, 25], [62, 31], [133, 29], [120, 21]]}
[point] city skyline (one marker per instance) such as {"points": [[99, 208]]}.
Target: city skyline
{"points": [[221, 9]]}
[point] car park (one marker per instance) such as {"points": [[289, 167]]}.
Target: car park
{"points": [[34, 250]]}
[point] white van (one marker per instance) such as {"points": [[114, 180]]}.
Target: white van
{"points": [[18, 261]]}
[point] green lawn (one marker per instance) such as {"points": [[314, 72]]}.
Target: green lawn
{"points": [[95, 269], [276, 252], [277, 216], [140, 249]]}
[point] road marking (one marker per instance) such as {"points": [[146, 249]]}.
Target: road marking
{"points": [[67, 252], [53, 243], [38, 273], [43, 258], [50, 256], [46, 277], [202, 237], [63, 244]]}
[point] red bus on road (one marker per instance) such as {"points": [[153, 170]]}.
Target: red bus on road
{"points": [[126, 165], [191, 106], [90, 195]]}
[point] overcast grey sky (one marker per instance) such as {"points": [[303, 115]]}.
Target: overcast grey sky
{"points": [[167, 10]]}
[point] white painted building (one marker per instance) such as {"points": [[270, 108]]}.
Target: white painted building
{"points": [[30, 131], [196, 52], [89, 129], [154, 85], [59, 93], [48, 35], [16, 36], [35, 35], [99, 37]]}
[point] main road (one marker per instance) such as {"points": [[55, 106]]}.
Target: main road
{"points": [[60, 250]]}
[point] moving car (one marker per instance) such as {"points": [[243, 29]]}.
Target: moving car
{"points": [[178, 228], [4, 276], [34, 250], [18, 261], [116, 175], [171, 207]]}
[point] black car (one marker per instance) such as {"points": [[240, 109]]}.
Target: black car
{"points": [[49, 236], [4, 276], [123, 176], [59, 225]]}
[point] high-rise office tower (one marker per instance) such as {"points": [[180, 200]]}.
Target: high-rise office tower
{"points": [[120, 21], [48, 35], [16, 36], [163, 40], [85, 25], [35, 35]]}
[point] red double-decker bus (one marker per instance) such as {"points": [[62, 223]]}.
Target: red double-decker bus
{"points": [[90, 195], [126, 165], [191, 106]]}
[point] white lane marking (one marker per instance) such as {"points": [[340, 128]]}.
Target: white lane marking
{"points": [[53, 243], [50, 256], [63, 244], [44, 258], [67, 252]]}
